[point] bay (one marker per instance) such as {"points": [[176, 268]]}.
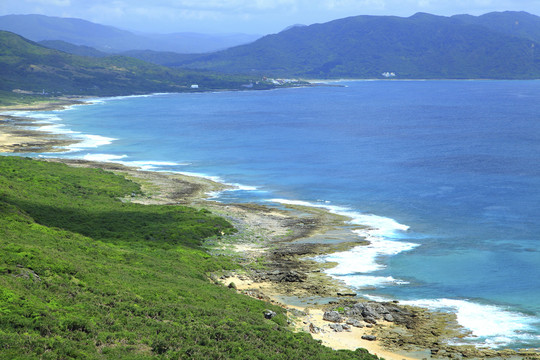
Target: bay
{"points": [[447, 171]]}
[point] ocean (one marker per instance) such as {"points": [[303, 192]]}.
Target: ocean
{"points": [[446, 173]]}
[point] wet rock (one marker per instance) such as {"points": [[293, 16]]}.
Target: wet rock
{"points": [[352, 294], [332, 316], [293, 276]]}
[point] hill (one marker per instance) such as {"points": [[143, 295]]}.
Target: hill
{"points": [[519, 24], [421, 46], [113, 40], [84, 275], [27, 66], [81, 50]]}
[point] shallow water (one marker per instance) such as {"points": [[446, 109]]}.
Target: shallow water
{"points": [[446, 173]]}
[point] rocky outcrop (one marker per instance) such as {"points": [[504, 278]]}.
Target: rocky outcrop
{"points": [[340, 327], [280, 276], [371, 312], [332, 316]]}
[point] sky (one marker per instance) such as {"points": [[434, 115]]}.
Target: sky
{"points": [[245, 16]]}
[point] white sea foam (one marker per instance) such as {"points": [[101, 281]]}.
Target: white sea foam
{"points": [[365, 259], [56, 129], [204, 176], [493, 326], [143, 165], [378, 225], [103, 157], [87, 141], [49, 123], [240, 187], [382, 234], [367, 281]]}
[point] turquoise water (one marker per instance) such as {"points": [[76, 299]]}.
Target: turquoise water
{"points": [[446, 172]]}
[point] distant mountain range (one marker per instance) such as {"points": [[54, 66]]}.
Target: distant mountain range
{"points": [[500, 45], [495, 45], [29, 68], [112, 40]]}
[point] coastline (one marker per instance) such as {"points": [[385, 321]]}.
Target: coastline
{"points": [[274, 239], [274, 246], [19, 135]]}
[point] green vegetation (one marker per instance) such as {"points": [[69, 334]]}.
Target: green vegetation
{"points": [[84, 275], [421, 46], [30, 67]]}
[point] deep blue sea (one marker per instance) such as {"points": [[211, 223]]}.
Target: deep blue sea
{"points": [[447, 173]]}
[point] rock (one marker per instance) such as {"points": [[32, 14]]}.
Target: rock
{"points": [[332, 316], [369, 325], [293, 276], [369, 337], [374, 310], [346, 327], [388, 317], [232, 285], [269, 314], [336, 327], [298, 313], [314, 329], [346, 294], [355, 323], [370, 320]]}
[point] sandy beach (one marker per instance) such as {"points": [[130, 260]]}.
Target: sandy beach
{"points": [[276, 247], [18, 135]]}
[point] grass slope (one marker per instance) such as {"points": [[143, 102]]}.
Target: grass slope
{"points": [[84, 275]]}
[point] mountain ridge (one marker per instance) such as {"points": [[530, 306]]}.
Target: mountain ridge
{"points": [[114, 40], [420, 46]]}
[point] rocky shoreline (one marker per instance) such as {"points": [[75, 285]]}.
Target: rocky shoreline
{"points": [[277, 247], [19, 134]]}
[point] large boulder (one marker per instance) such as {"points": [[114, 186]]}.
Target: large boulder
{"points": [[332, 316]]}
